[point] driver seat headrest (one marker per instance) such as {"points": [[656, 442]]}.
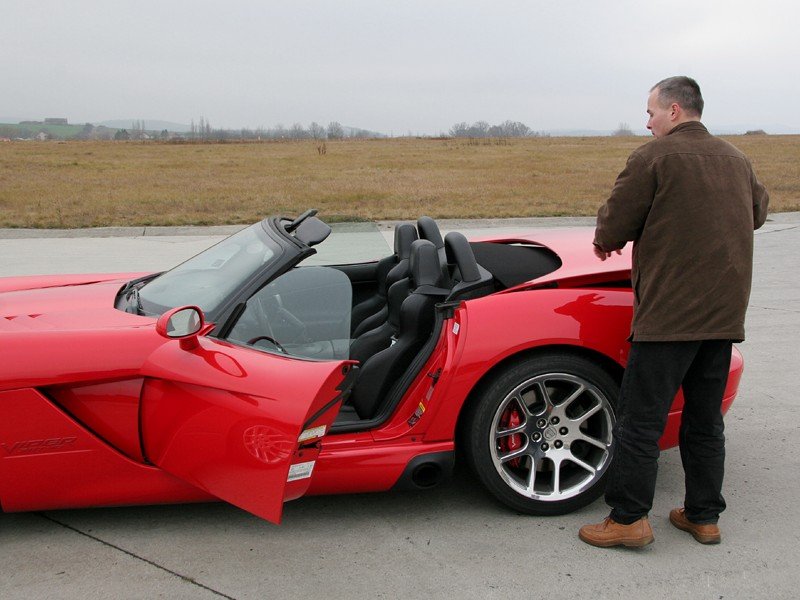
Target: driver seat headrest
{"points": [[404, 235]]}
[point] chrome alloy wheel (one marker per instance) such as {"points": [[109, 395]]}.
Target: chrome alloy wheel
{"points": [[550, 438]]}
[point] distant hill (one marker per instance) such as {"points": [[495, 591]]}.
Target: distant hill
{"points": [[30, 130], [149, 125]]}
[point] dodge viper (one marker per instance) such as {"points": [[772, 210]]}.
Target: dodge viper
{"points": [[257, 372]]}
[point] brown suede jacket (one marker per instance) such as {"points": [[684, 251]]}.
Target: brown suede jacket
{"points": [[690, 202]]}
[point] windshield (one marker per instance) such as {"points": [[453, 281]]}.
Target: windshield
{"points": [[210, 277], [304, 312]]}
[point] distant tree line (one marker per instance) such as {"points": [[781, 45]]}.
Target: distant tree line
{"points": [[623, 130], [198, 130], [334, 131], [482, 129]]}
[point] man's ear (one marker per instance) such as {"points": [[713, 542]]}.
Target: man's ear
{"points": [[675, 111]]}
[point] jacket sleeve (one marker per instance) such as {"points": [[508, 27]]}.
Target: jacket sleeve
{"points": [[621, 218], [760, 200]]}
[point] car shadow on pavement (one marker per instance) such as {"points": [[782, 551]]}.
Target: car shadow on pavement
{"points": [[462, 494]]}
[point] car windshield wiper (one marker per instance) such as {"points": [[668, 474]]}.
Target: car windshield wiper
{"points": [[139, 282], [129, 294], [133, 302]]}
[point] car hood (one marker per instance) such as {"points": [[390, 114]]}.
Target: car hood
{"points": [[67, 330], [579, 265], [64, 302]]}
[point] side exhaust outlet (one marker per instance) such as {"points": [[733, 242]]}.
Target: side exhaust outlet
{"points": [[426, 471]]}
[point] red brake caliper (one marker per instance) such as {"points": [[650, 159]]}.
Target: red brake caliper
{"points": [[510, 419]]}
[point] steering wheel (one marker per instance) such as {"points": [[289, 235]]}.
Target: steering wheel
{"points": [[299, 328], [273, 341]]}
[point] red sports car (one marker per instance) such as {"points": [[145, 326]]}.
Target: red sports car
{"points": [[255, 374]]}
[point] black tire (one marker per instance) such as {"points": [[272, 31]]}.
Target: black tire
{"points": [[510, 425]]}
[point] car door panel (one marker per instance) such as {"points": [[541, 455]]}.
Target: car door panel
{"points": [[229, 419]]}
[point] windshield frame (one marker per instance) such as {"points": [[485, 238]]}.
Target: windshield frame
{"points": [[153, 306]]}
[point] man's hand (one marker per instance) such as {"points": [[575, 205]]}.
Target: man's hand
{"points": [[602, 254]]}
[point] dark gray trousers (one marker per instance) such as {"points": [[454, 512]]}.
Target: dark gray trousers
{"points": [[655, 372]]}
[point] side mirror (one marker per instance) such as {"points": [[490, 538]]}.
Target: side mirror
{"points": [[184, 323]]}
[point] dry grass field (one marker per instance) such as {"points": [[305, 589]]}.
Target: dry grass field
{"points": [[91, 184]]}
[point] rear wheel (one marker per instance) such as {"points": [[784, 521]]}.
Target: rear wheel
{"points": [[539, 434]]}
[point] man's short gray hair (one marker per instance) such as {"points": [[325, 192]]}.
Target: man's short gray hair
{"points": [[682, 90]]}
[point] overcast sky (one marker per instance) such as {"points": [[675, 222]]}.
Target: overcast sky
{"points": [[397, 66]]}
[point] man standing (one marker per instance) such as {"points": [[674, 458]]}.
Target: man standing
{"points": [[689, 202]]}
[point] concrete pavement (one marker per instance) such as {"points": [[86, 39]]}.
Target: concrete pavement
{"points": [[452, 541]]}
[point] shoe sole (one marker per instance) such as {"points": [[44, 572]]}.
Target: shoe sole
{"points": [[633, 543], [703, 539]]}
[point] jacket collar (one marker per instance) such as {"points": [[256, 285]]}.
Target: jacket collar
{"points": [[688, 126]]}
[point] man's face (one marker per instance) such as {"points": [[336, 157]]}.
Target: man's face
{"points": [[661, 119]]}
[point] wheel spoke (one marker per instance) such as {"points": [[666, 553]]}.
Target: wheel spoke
{"points": [[557, 462], [592, 411], [532, 476], [506, 432], [548, 402], [582, 464], [574, 396], [593, 441], [521, 403], [513, 454]]}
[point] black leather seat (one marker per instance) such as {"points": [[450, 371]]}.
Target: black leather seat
{"points": [[372, 312], [380, 337], [415, 322]]}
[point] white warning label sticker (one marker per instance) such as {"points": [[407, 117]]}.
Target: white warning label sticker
{"points": [[301, 470]]}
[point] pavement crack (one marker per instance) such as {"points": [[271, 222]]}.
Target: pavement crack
{"points": [[788, 310], [788, 228], [136, 556]]}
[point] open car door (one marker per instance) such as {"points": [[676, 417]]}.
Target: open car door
{"points": [[241, 424]]}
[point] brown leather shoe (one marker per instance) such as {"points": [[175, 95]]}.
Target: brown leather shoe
{"points": [[610, 533], [704, 533]]}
